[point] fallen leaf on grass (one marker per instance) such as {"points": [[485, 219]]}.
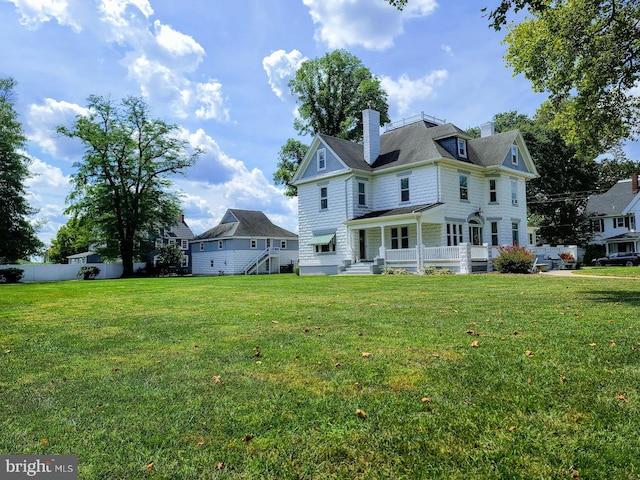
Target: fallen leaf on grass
{"points": [[563, 379], [220, 465], [612, 343], [216, 379], [592, 344], [248, 438], [512, 428], [528, 353], [7, 352], [366, 354], [200, 442], [338, 365], [357, 385], [621, 397], [149, 467], [361, 413], [44, 441], [275, 322], [472, 332], [475, 344], [425, 399]]}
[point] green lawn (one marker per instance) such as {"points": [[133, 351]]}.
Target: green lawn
{"points": [[460, 377]]}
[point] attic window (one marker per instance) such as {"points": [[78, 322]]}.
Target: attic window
{"points": [[514, 154], [462, 148], [321, 157]]}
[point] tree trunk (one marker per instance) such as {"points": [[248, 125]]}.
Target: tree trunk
{"points": [[126, 253]]}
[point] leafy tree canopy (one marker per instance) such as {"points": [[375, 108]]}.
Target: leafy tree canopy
{"points": [[584, 55], [332, 91], [121, 189], [72, 238], [289, 157], [18, 240]]}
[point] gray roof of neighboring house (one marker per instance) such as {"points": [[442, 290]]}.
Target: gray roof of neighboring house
{"points": [[613, 201], [179, 230], [82, 255], [418, 142], [245, 223]]}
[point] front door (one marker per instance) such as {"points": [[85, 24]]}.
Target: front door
{"points": [[362, 242]]}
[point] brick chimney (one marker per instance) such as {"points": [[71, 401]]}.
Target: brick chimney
{"points": [[182, 218], [487, 129], [634, 182], [371, 130]]}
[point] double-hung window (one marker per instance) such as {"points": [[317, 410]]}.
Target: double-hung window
{"points": [[494, 234], [464, 187], [462, 148], [399, 238], [493, 190], [404, 189], [321, 158], [514, 192], [515, 233], [362, 194], [324, 198], [618, 222], [597, 225], [514, 155]]}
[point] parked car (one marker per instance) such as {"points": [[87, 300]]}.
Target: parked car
{"points": [[628, 259]]}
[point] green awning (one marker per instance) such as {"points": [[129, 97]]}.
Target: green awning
{"points": [[322, 239]]}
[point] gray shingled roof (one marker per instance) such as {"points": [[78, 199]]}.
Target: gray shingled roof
{"points": [[613, 201], [399, 211], [250, 223], [179, 230], [418, 142]]}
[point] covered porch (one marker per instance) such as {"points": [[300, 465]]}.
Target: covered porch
{"points": [[414, 238]]}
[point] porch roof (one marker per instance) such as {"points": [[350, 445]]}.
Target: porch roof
{"points": [[398, 211], [623, 237]]}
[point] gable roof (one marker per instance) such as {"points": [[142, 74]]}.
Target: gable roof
{"points": [[398, 211], [613, 202], [179, 230], [245, 223], [418, 142]]}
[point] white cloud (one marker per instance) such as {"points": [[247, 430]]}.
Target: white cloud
{"points": [[176, 43], [372, 24], [447, 49], [35, 12], [282, 67], [404, 91], [42, 121]]}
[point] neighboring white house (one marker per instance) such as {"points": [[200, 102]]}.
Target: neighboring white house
{"points": [[613, 217], [244, 242], [422, 193]]}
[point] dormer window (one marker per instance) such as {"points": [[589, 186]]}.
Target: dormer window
{"points": [[462, 148], [514, 154], [321, 157]]}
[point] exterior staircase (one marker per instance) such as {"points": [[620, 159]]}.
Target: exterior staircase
{"points": [[361, 268]]}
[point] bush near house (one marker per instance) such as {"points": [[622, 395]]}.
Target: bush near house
{"points": [[88, 273], [513, 260], [11, 275]]}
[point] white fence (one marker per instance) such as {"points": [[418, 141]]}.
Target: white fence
{"points": [[44, 272]]}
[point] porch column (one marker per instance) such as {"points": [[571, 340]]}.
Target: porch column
{"points": [[419, 246], [489, 257], [382, 249], [465, 257]]}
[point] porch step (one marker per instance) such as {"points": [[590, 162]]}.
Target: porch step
{"points": [[362, 268]]}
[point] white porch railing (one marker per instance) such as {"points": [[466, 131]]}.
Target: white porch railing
{"points": [[479, 252], [401, 255], [440, 253], [255, 263]]}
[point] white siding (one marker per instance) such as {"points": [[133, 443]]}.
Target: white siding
{"points": [[423, 188]]}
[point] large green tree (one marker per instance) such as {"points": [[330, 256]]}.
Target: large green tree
{"points": [[289, 157], [121, 189], [558, 197], [584, 54], [331, 91], [18, 240], [72, 238]]}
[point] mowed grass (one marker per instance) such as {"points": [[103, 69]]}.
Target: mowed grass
{"points": [[462, 377]]}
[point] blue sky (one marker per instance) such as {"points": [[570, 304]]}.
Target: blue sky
{"points": [[220, 70]]}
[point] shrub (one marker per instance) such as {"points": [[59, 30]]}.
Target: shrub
{"points": [[513, 260], [436, 271], [11, 275], [395, 271], [88, 273], [296, 270]]}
